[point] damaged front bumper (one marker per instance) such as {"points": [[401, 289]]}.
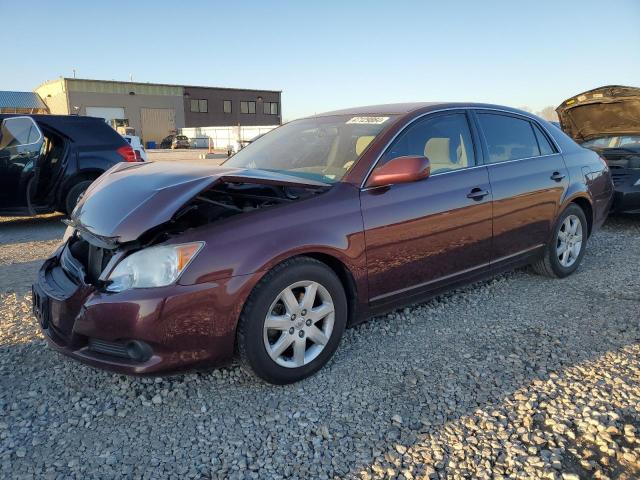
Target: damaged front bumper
{"points": [[626, 198], [140, 331]]}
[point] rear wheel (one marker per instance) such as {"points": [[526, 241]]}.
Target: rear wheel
{"points": [[73, 195], [292, 322], [564, 252]]}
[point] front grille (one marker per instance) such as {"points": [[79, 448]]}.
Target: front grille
{"points": [[619, 178], [87, 259]]}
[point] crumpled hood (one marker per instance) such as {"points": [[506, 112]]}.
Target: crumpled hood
{"points": [[131, 198], [604, 111]]}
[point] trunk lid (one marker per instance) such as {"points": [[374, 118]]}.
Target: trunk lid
{"points": [[131, 198], [605, 111]]}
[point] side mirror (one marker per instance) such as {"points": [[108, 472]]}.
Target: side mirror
{"points": [[400, 170]]}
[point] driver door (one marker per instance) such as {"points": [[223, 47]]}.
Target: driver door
{"points": [[424, 235], [20, 146]]}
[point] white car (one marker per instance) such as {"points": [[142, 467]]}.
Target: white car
{"points": [[136, 144]]}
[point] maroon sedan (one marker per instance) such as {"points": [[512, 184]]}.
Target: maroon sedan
{"points": [[317, 225]]}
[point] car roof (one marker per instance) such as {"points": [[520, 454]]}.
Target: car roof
{"points": [[80, 129], [405, 108]]}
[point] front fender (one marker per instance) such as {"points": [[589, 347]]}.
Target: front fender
{"points": [[327, 225]]}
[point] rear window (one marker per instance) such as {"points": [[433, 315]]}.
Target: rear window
{"points": [[545, 147], [182, 137], [508, 138], [85, 131]]}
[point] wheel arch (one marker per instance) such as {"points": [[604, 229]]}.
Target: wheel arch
{"points": [[586, 206], [345, 276], [337, 266], [81, 176]]}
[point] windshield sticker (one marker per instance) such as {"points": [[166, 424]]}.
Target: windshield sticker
{"points": [[368, 120]]}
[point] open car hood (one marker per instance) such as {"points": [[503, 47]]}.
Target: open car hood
{"points": [[605, 111], [131, 198]]}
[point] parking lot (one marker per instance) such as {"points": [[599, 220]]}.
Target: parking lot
{"points": [[519, 376], [162, 155]]}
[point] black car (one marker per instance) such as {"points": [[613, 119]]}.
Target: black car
{"points": [[607, 121], [48, 161], [175, 141], [167, 141]]}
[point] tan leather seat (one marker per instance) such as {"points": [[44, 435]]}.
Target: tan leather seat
{"points": [[438, 151], [361, 144]]}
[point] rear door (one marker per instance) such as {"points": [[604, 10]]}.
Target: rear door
{"points": [[528, 180], [425, 234], [20, 146]]}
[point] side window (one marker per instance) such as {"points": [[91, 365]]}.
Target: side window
{"points": [[20, 140], [445, 140], [543, 142], [508, 138]]}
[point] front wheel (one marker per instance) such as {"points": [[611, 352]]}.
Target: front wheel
{"points": [[564, 252], [292, 322]]}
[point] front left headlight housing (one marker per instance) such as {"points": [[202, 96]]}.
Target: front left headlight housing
{"points": [[152, 267]]}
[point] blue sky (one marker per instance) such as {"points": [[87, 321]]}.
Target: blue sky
{"points": [[332, 54]]}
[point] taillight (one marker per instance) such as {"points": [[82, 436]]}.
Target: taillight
{"points": [[138, 156], [126, 152]]}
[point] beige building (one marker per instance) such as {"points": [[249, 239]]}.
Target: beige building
{"points": [[154, 110]]}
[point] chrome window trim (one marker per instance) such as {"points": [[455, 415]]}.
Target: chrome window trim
{"points": [[520, 159], [436, 174], [463, 110]]}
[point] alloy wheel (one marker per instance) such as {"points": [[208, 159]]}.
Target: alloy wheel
{"points": [[569, 243], [299, 324]]}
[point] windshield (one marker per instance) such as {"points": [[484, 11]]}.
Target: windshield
{"points": [[182, 137], [614, 141], [320, 148]]}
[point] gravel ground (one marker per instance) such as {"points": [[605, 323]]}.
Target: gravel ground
{"points": [[516, 377]]}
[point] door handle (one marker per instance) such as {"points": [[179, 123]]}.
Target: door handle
{"points": [[557, 176], [477, 194]]}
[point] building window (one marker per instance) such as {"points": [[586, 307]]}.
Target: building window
{"points": [[201, 106], [226, 106], [270, 108], [247, 107]]}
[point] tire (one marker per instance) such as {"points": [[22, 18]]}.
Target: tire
{"points": [[73, 195], [295, 329], [555, 264]]}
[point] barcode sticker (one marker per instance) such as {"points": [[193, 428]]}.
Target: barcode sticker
{"points": [[368, 120]]}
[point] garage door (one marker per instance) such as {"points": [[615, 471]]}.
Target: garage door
{"points": [[157, 123], [108, 113]]}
